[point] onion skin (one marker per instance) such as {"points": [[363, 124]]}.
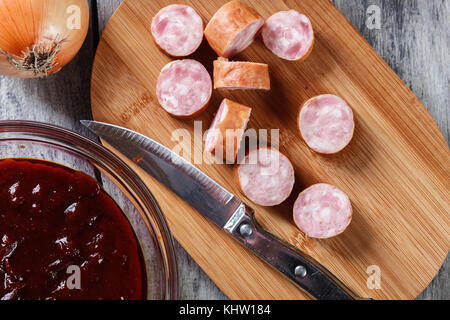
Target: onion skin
{"points": [[41, 24]]}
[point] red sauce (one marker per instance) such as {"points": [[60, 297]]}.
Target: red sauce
{"points": [[53, 217]]}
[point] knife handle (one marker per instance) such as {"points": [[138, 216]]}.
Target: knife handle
{"points": [[295, 264]]}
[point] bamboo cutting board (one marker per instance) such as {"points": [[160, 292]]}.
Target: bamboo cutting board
{"points": [[395, 171]]}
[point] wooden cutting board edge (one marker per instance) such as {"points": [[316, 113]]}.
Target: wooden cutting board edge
{"points": [[200, 258]]}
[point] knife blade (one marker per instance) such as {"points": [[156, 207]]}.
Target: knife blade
{"points": [[222, 208], [173, 171]]}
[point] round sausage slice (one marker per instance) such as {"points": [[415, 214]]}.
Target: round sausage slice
{"points": [[322, 211], [177, 30], [184, 88], [289, 35], [266, 176], [326, 123], [232, 28]]}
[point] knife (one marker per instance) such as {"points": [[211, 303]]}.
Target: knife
{"points": [[223, 209]]}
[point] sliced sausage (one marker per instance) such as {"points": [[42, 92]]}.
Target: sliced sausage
{"points": [[177, 30], [322, 211], [326, 123], [240, 75], [289, 35], [227, 129], [184, 88], [232, 28], [266, 176]]}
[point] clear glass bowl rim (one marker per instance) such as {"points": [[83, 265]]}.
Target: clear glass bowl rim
{"points": [[68, 139]]}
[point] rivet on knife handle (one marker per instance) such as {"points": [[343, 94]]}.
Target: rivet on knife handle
{"points": [[296, 265]]}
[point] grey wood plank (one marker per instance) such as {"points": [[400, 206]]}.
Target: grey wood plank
{"points": [[414, 40], [106, 9]]}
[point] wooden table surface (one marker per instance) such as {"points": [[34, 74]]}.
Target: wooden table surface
{"points": [[413, 39]]}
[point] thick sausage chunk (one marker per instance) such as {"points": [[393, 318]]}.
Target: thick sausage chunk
{"points": [[322, 211], [184, 88], [266, 176], [240, 75], [232, 28], [223, 138], [289, 35], [177, 30], [326, 123]]}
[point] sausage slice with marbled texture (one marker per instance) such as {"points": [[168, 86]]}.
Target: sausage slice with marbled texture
{"points": [[184, 88], [289, 35], [265, 176], [322, 211], [326, 123], [177, 30]]}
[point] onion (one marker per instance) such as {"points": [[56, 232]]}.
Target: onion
{"points": [[39, 37]]}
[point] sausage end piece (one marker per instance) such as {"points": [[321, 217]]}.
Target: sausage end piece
{"points": [[233, 28], [227, 130], [242, 75]]}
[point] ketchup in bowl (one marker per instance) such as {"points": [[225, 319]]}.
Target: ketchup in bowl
{"points": [[57, 223]]}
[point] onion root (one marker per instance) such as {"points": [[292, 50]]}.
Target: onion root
{"points": [[39, 58]]}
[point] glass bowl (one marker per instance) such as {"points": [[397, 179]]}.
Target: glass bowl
{"points": [[34, 140]]}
